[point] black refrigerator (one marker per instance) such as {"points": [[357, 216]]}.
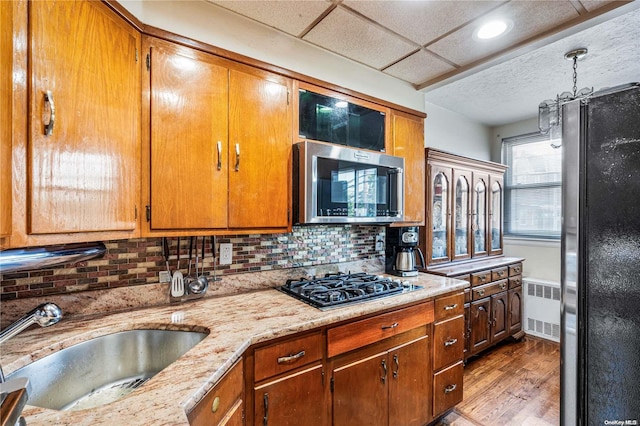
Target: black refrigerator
{"points": [[600, 340]]}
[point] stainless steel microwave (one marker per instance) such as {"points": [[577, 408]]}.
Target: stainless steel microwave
{"points": [[337, 184]]}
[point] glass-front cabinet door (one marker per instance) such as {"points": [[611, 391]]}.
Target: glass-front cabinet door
{"points": [[479, 215], [495, 216], [461, 214], [440, 190]]}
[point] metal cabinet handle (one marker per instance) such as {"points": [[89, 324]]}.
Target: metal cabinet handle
{"points": [[219, 146], [503, 286], [290, 358], [396, 364], [387, 327], [215, 404], [48, 100], [450, 342], [265, 400], [384, 369], [237, 157], [450, 307], [450, 388], [501, 273], [480, 292]]}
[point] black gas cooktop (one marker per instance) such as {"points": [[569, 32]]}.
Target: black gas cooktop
{"points": [[335, 290]]}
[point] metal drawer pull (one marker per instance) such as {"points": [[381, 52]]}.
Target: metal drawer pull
{"points": [[265, 400], [216, 404], [237, 157], [480, 292], [501, 273], [384, 369], [290, 358], [483, 277], [451, 342], [219, 145], [48, 99], [397, 366], [450, 307], [450, 388], [503, 286], [386, 327]]}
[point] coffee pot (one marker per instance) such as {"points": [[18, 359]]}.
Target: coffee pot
{"points": [[401, 251]]}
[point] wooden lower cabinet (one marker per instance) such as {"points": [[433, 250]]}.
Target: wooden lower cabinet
{"points": [[480, 335], [515, 310], [223, 405], [295, 399], [387, 388], [447, 388]]}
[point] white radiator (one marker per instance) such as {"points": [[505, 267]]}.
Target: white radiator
{"points": [[542, 308]]}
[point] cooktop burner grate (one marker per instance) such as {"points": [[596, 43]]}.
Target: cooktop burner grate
{"points": [[335, 290]]}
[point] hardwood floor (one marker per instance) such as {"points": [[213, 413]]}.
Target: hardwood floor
{"points": [[515, 384]]}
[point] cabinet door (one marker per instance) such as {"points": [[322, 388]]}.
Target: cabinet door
{"points": [[292, 400], [85, 85], [260, 148], [360, 392], [500, 315], [461, 212], [479, 211], [408, 143], [515, 310], [410, 383], [188, 127], [438, 235], [480, 336], [6, 85], [496, 216]]}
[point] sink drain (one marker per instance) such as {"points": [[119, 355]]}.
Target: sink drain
{"points": [[107, 393]]}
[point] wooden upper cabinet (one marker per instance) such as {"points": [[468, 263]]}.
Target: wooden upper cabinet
{"points": [[219, 147], [84, 113], [408, 142], [260, 149], [6, 64], [188, 112]]}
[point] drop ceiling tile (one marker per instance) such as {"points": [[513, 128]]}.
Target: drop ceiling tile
{"points": [[347, 34], [419, 67], [292, 17], [421, 21], [529, 18]]}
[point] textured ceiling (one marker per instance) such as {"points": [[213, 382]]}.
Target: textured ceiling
{"points": [[431, 44]]}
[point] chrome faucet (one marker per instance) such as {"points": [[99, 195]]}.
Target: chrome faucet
{"points": [[44, 315]]}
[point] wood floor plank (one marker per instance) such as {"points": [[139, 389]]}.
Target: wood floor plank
{"points": [[515, 383]]}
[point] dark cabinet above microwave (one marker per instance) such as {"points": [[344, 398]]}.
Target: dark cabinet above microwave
{"points": [[327, 119]]}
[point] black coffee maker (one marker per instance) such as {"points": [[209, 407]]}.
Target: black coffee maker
{"points": [[401, 251]]}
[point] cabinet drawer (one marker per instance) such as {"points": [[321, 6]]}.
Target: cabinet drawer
{"points": [[354, 335], [218, 402], [480, 278], [515, 269], [447, 388], [489, 289], [448, 342], [515, 281], [284, 356], [499, 273], [449, 306]]}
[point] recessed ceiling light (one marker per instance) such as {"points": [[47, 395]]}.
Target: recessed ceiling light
{"points": [[492, 29]]}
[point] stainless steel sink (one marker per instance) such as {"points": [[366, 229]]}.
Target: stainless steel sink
{"points": [[103, 369]]}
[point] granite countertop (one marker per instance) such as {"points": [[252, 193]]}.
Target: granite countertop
{"points": [[234, 323]]}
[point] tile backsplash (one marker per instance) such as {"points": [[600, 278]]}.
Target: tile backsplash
{"points": [[135, 262]]}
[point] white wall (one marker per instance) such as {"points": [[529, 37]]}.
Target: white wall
{"points": [[455, 133], [219, 27], [542, 257]]}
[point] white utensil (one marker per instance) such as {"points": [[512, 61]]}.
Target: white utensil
{"points": [[177, 281]]}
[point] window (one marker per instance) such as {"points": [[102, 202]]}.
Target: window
{"points": [[533, 187]]}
